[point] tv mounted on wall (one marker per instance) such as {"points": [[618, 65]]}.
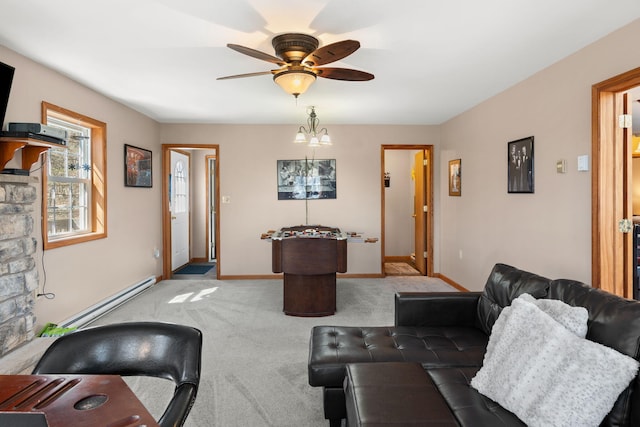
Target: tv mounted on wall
{"points": [[6, 78]]}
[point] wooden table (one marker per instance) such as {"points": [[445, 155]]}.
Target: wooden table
{"points": [[71, 400]]}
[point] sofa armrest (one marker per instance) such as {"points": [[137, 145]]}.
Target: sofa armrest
{"points": [[436, 308]]}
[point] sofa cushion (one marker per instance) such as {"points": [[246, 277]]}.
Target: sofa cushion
{"points": [[614, 322], [506, 283], [546, 375], [470, 408], [331, 347]]}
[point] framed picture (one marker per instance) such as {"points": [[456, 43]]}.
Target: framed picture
{"points": [[520, 166], [137, 167], [306, 179], [455, 177]]}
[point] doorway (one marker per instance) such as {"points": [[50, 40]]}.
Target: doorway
{"points": [[201, 192], [612, 246], [179, 200], [416, 213]]}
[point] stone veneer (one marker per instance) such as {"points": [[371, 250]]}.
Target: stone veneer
{"points": [[18, 272]]}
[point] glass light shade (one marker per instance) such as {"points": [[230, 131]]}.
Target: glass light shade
{"points": [[295, 82], [300, 138], [313, 142], [325, 140]]}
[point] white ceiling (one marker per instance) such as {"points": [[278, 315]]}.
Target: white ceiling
{"points": [[431, 59]]}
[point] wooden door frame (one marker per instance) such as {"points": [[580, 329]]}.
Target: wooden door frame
{"points": [[429, 200], [166, 215], [610, 156], [207, 159]]}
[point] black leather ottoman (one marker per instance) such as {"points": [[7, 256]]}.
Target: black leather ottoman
{"points": [[332, 347], [393, 394]]}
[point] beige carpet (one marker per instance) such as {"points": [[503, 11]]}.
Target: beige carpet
{"points": [[254, 364], [400, 269]]}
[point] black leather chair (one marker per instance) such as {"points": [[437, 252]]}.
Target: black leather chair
{"points": [[152, 349]]}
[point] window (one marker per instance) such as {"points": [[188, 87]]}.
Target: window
{"points": [[74, 180]]}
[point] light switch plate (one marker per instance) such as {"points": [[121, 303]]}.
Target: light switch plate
{"points": [[583, 163]]}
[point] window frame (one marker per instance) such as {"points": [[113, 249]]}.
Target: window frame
{"points": [[98, 187]]}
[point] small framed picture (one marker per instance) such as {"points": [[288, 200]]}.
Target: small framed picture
{"points": [[455, 177], [520, 166], [137, 167]]}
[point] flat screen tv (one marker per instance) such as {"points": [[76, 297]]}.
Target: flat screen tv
{"points": [[6, 78]]}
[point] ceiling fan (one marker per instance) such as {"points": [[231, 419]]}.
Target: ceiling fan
{"points": [[299, 59]]}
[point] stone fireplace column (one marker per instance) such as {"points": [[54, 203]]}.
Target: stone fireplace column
{"points": [[18, 271]]}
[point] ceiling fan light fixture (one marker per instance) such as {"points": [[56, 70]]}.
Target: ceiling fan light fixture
{"points": [[295, 82]]}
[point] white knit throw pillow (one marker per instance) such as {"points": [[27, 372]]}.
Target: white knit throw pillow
{"points": [[573, 318], [548, 376]]}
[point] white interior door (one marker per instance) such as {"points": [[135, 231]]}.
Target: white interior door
{"points": [[179, 207]]}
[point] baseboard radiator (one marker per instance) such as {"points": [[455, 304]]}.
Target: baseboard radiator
{"points": [[103, 307]]}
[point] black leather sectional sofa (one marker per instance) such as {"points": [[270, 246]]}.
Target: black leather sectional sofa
{"points": [[418, 371]]}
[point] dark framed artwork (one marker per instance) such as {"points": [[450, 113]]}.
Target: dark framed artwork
{"points": [[520, 166], [455, 177], [137, 167], [306, 179]]}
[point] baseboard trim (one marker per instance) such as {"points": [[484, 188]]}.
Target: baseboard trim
{"points": [[451, 282], [280, 276], [250, 277], [362, 276], [345, 276]]}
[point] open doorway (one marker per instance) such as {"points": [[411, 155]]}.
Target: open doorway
{"points": [[190, 183], [613, 262], [407, 210]]}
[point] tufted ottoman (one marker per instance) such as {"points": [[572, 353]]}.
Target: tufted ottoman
{"points": [[331, 348], [394, 394]]}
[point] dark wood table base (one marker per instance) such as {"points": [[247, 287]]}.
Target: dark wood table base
{"points": [[309, 296]]}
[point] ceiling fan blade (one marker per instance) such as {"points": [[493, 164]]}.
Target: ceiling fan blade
{"points": [[343, 74], [238, 76], [331, 52], [256, 54]]}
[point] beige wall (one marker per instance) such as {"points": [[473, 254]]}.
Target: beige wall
{"points": [[81, 275], [548, 232], [247, 162]]}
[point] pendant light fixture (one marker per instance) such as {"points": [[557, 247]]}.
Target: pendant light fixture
{"points": [[317, 137]]}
